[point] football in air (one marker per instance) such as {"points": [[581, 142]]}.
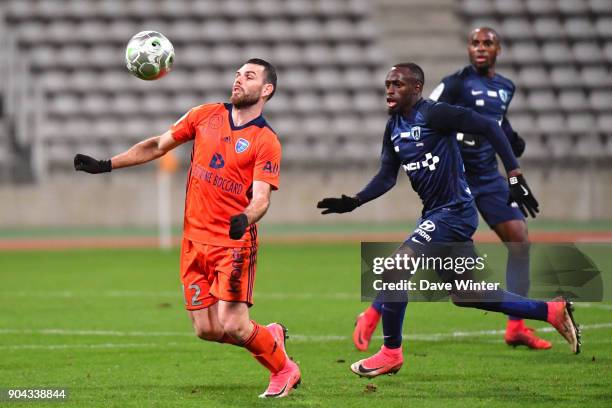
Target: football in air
{"points": [[149, 55]]}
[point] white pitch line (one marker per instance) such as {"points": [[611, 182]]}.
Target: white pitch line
{"points": [[177, 294], [166, 345], [298, 337], [294, 337], [460, 334], [108, 333], [301, 296], [77, 346], [593, 305], [78, 294]]}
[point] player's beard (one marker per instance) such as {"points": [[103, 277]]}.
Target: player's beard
{"points": [[244, 100]]}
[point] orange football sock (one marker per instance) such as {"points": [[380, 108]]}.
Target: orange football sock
{"points": [[264, 348]]}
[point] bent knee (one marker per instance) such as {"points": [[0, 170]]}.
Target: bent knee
{"points": [[519, 249], [236, 328], [519, 237], [208, 333]]}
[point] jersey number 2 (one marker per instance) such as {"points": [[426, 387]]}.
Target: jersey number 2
{"points": [[196, 295]]}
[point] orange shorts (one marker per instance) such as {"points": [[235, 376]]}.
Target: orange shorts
{"points": [[211, 273]]}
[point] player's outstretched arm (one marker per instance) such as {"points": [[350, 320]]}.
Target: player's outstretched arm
{"points": [[520, 193], [453, 118], [88, 164], [142, 152], [449, 91], [256, 209], [382, 182], [339, 205]]}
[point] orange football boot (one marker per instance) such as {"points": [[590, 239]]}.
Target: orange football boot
{"points": [[517, 334], [365, 325], [560, 316], [289, 377], [386, 361]]}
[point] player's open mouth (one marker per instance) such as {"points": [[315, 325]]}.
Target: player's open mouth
{"points": [[391, 103], [481, 58]]}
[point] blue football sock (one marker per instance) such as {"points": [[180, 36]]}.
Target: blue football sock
{"points": [[505, 302], [378, 302], [517, 272], [393, 322]]}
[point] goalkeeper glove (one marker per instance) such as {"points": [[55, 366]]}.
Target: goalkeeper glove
{"points": [[90, 165], [338, 205], [522, 195], [238, 225]]}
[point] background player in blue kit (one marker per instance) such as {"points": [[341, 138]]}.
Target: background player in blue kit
{"points": [[420, 138], [477, 86]]}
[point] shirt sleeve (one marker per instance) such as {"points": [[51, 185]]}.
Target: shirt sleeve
{"points": [[517, 142], [267, 162], [447, 119], [386, 177], [447, 90], [183, 129]]}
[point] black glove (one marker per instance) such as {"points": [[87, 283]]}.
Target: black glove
{"points": [[238, 225], [468, 139], [518, 144], [90, 165], [338, 205], [521, 194]]}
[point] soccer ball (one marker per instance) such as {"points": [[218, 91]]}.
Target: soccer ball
{"points": [[149, 55]]}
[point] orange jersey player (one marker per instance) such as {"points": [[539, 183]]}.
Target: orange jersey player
{"points": [[234, 168]]}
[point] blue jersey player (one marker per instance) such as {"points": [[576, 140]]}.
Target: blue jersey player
{"points": [[479, 87], [420, 139]]}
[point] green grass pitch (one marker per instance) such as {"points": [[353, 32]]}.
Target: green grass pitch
{"points": [[109, 325]]}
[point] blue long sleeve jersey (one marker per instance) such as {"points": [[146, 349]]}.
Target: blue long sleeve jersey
{"points": [[490, 97], [423, 144]]}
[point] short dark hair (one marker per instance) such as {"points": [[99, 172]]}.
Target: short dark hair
{"points": [[485, 28], [269, 70], [414, 69]]}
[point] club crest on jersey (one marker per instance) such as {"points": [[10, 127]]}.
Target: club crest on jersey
{"points": [[241, 145], [415, 133], [503, 95]]}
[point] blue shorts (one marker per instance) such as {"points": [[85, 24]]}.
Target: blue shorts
{"points": [[491, 198], [446, 225]]}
